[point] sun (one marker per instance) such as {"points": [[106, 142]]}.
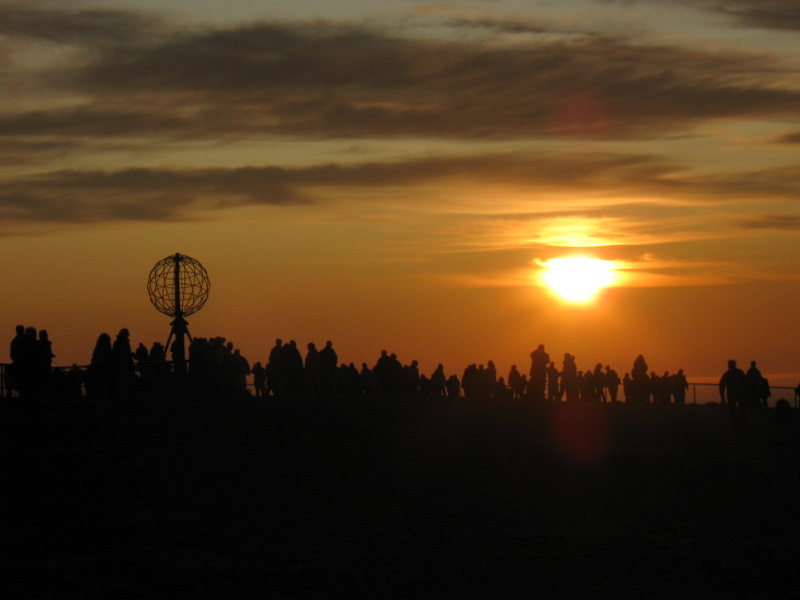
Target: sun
{"points": [[577, 279]]}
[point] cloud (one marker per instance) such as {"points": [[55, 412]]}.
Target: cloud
{"points": [[82, 27], [770, 14], [161, 194], [603, 185], [337, 82], [784, 222], [326, 80], [27, 152], [498, 26], [778, 183], [141, 194], [91, 122], [789, 138]]}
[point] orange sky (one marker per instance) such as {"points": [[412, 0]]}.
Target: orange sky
{"points": [[393, 175]]}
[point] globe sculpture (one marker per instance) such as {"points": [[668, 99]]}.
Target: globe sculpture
{"points": [[178, 286]]}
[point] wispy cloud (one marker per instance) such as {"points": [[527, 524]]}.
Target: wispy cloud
{"points": [[604, 186], [789, 138], [772, 14], [137, 77], [786, 222], [82, 27], [769, 14]]}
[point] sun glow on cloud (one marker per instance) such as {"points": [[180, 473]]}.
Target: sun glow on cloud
{"points": [[578, 279], [576, 232]]}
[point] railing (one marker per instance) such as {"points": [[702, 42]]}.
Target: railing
{"points": [[6, 391], [699, 393], [142, 368], [709, 392]]}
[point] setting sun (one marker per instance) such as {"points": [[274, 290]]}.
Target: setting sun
{"points": [[577, 279]]}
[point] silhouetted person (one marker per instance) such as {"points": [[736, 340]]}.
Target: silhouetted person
{"points": [[627, 388], [757, 387], [275, 370], [569, 378], [501, 391], [679, 387], [141, 354], [328, 362], [43, 365], [662, 388], [259, 378], [453, 386], [469, 381], [553, 392], [352, 380], [123, 358], [598, 378], [294, 367], [538, 374], [438, 382], [612, 383], [411, 377], [652, 388], [240, 370], [395, 374], [586, 386], [16, 369], [640, 382], [100, 376], [380, 372], [733, 389], [313, 369], [514, 379], [160, 367], [491, 374], [425, 386]]}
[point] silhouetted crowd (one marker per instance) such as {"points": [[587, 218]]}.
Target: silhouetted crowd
{"points": [[287, 372], [217, 369], [31, 370], [743, 391]]}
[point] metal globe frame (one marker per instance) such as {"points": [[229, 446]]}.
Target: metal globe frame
{"points": [[178, 286]]}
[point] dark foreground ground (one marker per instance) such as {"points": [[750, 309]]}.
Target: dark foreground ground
{"points": [[386, 498]]}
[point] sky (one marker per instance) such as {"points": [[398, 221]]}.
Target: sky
{"points": [[396, 174]]}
